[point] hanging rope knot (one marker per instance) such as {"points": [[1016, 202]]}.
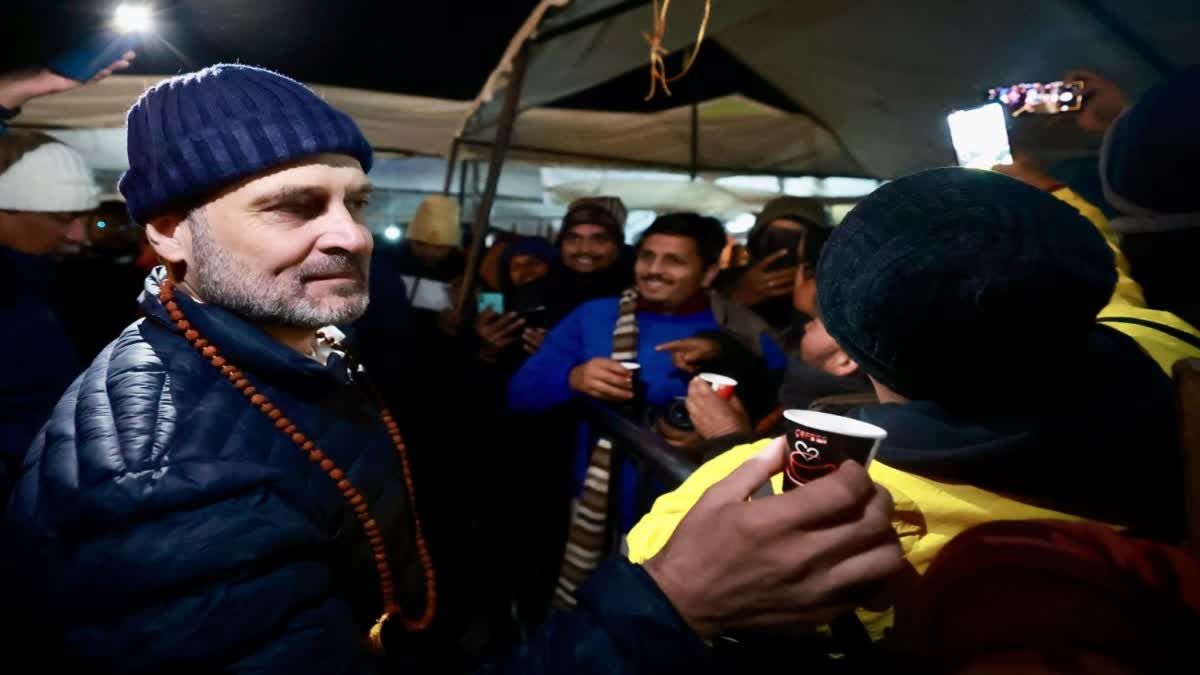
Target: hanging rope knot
{"points": [[658, 53]]}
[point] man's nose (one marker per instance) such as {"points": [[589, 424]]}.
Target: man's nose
{"points": [[343, 232]]}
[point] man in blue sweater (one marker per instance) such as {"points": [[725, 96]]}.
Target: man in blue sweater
{"points": [[675, 262]]}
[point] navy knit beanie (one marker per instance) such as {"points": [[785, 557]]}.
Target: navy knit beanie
{"points": [[199, 132], [1149, 156], [959, 286]]}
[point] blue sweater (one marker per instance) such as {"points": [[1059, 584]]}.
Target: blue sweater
{"points": [[542, 383]]}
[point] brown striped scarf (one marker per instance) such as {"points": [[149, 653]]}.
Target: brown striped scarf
{"points": [[589, 520]]}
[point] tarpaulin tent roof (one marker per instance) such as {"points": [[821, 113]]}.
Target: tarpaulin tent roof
{"points": [[732, 134], [392, 122], [880, 75]]}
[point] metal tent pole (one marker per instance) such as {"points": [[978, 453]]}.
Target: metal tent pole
{"points": [[508, 116], [694, 155], [451, 163]]}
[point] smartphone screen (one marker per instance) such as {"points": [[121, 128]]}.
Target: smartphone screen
{"points": [[1039, 98], [980, 136], [493, 301]]}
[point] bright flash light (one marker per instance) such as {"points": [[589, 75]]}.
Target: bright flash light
{"points": [[391, 233], [132, 18]]}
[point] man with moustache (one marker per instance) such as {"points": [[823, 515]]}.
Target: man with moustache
{"points": [[675, 262], [223, 491], [593, 262]]}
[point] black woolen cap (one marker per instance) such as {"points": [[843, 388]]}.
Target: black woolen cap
{"points": [[963, 286]]}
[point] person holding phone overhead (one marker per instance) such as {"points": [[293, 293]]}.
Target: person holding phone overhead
{"points": [[19, 87]]}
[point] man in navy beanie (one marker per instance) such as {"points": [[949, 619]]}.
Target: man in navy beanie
{"points": [[223, 490]]}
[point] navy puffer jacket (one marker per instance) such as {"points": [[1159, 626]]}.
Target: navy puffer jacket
{"points": [[161, 524]]}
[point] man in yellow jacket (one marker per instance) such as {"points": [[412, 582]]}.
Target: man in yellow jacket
{"points": [[970, 299]]}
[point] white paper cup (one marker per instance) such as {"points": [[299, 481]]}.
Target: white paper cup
{"points": [[721, 384]]}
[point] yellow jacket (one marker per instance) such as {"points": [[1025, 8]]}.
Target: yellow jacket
{"points": [[929, 513], [1127, 311]]}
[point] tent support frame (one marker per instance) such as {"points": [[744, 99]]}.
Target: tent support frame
{"points": [[660, 166], [508, 117]]}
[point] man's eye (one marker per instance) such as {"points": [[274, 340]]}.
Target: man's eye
{"points": [[307, 209], [358, 203]]}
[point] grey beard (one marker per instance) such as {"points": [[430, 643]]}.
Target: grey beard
{"points": [[221, 278]]}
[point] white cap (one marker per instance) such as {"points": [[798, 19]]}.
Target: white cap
{"points": [[51, 177]]}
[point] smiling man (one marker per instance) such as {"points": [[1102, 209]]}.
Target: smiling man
{"points": [[676, 261], [222, 491]]}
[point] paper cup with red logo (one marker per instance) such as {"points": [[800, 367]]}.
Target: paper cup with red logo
{"points": [[818, 443], [724, 386]]}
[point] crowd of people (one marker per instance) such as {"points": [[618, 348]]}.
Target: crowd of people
{"points": [[310, 451]]}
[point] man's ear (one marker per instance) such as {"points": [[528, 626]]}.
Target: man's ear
{"points": [[164, 232], [710, 275], [842, 365]]}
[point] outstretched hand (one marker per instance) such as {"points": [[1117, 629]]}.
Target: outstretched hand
{"points": [[791, 559], [688, 353], [20, 87]]}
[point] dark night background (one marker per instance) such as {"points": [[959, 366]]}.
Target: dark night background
{"points": [[439, 48]]}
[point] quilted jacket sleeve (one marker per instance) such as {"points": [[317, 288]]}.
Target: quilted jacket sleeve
{"points": [[118, 559]]}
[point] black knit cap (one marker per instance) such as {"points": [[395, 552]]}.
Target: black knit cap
{"points": [[962, 286], [606, 212]]}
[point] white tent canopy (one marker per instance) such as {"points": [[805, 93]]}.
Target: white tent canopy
{"points": [[880, 75], [392, 122], [733, 134]]}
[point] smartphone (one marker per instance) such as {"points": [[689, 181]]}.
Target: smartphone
{"points": [[87, 60], [980, 136], [1039, 98], [492, 301], [778, 238], [536, 317]]}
